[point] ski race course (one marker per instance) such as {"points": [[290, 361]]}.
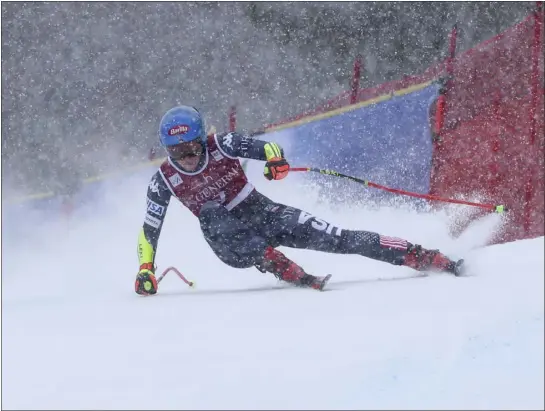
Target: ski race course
{"points": [[76, 336]]}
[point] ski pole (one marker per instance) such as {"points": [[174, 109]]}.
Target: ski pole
{"points": [[189, 283], [495, 208]]}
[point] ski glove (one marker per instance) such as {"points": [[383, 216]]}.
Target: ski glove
{"points": [[146, 284], [276, 168]]}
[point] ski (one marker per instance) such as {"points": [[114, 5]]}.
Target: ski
{"points": [[458, 269], [320, 282]]}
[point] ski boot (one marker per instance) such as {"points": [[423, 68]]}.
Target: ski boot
{"points": [[421, 259], [286, 270]]}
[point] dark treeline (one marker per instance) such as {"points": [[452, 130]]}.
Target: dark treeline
{"points": [[84, 84]]}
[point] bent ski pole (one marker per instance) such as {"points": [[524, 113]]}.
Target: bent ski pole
{"points": [[189, 283], [495, 208]]}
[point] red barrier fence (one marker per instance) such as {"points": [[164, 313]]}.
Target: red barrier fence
{"points": [[492, 145], [490, 122]]}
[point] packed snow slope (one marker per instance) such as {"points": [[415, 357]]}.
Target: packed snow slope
{"points": [[76, 336]]}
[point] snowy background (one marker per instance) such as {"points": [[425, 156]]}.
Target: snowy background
{"points": [[76, 336], [84, 83], [83, 87]]}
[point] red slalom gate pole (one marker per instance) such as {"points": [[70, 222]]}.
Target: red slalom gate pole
{"points": [[447, 85], [355, 85], [495, 208], [232, 118], [189, 283]]}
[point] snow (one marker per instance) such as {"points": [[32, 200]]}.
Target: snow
{"points": [[75, 335]]}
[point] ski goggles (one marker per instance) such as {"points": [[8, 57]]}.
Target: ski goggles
{"points": [[186, 149]]}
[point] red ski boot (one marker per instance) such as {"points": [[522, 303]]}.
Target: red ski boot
{"points": [[284, 269], [421, 259]]}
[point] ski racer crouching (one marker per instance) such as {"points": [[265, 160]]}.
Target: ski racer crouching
{"points": [[242, 226]]}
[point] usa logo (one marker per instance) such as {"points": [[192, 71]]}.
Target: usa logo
{"points": [[155, 208], [179, 129]]}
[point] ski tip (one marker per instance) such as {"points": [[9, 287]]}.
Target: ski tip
{"points": [[459, 268], [324, 281]]}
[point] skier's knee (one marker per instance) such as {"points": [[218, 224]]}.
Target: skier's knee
{"points": [[237, 261], [241, 254]]}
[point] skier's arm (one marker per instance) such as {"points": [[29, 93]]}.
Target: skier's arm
{"points": [[158, 198], [239, 145]]}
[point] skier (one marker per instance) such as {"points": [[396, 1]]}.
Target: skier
{"points": [[242, 226]]}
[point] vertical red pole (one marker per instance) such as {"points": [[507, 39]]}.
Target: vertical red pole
{"points": [[232, 118], [494, 167], [439, 114], [442, 100], [436, 185], [452, 51], [536, 53], [355, 80]]}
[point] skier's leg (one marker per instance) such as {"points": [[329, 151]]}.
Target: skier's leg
{"points": [[239, 245], [234, 242], [295, 228]]}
